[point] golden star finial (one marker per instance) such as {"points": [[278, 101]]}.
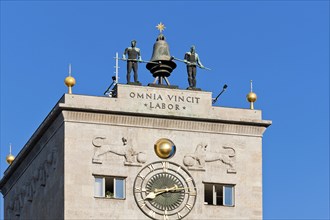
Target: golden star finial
{"points": [[160, 27]]}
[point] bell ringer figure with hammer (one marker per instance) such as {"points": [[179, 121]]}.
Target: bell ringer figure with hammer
{"points": [[191, 59], [133, 58]]}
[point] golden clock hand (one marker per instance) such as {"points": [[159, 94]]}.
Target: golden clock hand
{"points": [[157, 192], [182, 188], [167, 189], [175, 188], [151, 195]]}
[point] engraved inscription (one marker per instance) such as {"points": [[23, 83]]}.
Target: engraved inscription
{"points": [[165, 102]]}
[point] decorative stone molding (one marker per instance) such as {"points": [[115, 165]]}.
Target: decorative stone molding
{"points": [[29, 191], [17, 205], [52, 158], [42, 175], [131, 157], [34, 180], [172, 124], [26, 191], [197, 160], [10, 208]]}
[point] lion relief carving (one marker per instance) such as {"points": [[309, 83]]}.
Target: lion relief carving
{"points": [[104, 146], [197, 160]]}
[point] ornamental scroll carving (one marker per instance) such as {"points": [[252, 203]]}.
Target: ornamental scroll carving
{"points": [[28, 189], [104, 146], [197, 160]]}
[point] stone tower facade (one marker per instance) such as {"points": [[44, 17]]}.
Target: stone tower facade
{"points": [[146, 152]]}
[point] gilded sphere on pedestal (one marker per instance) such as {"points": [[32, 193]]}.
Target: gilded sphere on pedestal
{"points": [[251, 97], [70, 81], [10, 158], [164, 148]]}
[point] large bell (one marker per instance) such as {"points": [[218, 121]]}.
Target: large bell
{"points": [[161, 63]]}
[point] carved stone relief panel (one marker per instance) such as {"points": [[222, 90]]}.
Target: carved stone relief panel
{"points": [[104, 146], [27, 190], [197, 160]]}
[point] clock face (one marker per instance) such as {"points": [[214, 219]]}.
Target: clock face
{"points": [[165, 190]]}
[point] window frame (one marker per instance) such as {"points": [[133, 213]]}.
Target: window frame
{"points": [[115, 188], [224, 196], [232, 195], [115, 193]]}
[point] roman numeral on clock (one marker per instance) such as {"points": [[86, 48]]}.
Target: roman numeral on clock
{"points": [[138, 190], [152, 214], [165, 215], [141, 203], [151, 168], [140, 176], [189, 179], [188, 206], [165, 165]]}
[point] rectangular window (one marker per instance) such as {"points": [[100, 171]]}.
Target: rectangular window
{"points": [[219, 194], [228, 195], [119, 189], [109, 187], [98, 187]]}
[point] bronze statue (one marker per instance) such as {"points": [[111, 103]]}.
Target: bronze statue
{"points": [[192, 60], [132, 61]]}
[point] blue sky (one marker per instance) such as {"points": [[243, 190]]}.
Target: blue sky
{"points": [[283, 46]]}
